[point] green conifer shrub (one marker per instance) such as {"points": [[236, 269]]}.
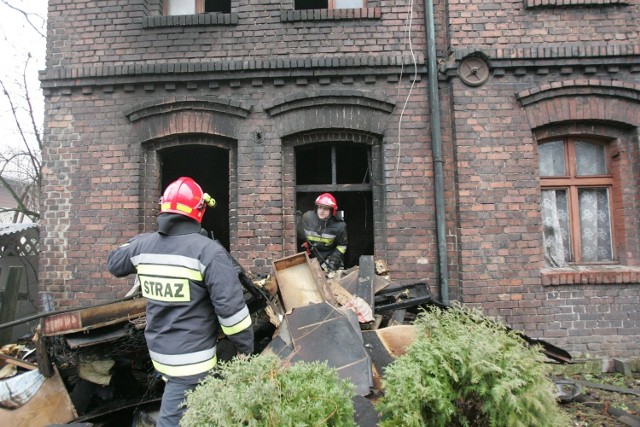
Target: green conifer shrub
{"points": [[258, 391], [467, 370]]}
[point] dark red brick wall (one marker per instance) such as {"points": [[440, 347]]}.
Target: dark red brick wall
{"points": [[123, 82], [562, 68]]}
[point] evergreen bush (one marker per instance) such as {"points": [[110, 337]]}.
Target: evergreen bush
{"points": [[258, 391], [467, 370]]}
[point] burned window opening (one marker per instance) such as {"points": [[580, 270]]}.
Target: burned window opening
{"points": [[220, 6], [343, 170], [209, 167], [311, 4]]}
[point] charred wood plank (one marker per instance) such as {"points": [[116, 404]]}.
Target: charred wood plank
{"points": [[402, 297], [366, 277], [18, 362], [10, 301]]}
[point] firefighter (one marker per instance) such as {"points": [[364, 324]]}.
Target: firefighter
{"points": [[324, 233], [192, 292]]}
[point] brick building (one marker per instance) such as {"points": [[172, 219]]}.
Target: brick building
{"points": [[489, 148]]}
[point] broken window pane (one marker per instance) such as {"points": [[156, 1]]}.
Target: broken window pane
{"points": [[313, 165], [351, 164]]}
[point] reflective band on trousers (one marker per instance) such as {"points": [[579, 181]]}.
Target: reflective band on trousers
{"points": [[180, 365]]}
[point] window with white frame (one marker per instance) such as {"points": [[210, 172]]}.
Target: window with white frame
{"points": [[329, 4], [191, 7], [577, 187]]}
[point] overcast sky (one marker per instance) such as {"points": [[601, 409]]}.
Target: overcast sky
{"points": [[18, 39]]}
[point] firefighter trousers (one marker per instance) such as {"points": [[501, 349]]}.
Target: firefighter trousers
{"points": [[171, 408]]}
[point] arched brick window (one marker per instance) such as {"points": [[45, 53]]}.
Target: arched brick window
{"points": [[346, 164], [589, 128], [585, 168]]}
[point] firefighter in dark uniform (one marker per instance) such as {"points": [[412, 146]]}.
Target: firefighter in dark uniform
{"points": [[192, 291], [324, 234]]}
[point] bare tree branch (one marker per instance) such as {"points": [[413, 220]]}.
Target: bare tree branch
{"points": [[28, 17], [13, 159], [21, 162], [35, 160]]}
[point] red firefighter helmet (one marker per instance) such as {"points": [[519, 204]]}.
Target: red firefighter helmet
{"points": [[326, 199], [185, 197]]}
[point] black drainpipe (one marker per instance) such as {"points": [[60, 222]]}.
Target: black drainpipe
{"points": [[436, 148]]}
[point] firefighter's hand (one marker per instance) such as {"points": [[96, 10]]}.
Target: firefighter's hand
{"points": [[306, 247], [333, 262]]}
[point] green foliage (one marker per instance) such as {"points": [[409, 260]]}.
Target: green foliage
{"points": [[467, 370], [257, 391]]}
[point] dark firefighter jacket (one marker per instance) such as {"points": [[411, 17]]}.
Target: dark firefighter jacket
{"points": [[328, 236], [192, 290]]}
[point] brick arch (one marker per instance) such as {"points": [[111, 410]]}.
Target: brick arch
{"points": [[576, 100], [331, 109], [167, 117], [151, 168], [319, 136]]}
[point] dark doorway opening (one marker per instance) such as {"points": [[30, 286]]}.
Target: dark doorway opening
{"points": [[209, 167], [342, 170]]}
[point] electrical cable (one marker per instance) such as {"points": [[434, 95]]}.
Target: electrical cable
{"points": [[415, 74]]}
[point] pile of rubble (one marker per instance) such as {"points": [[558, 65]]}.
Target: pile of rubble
{"points": [[92, 366]]}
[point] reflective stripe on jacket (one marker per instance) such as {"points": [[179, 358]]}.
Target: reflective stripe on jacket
{"points": [[192, 291], [329, 236]]}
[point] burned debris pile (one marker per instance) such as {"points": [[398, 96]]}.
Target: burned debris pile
{"points": [[92, 366]]}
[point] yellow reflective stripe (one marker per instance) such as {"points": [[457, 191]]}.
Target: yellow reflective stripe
{"points": [[238, 327], [179, 207], [183, 208], [185, 370], [185, 358], [237, 317], [326, 241], [169, 271], [342, 249]]}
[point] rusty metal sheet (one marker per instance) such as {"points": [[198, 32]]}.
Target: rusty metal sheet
{"points": [[321, 332], [101, 336], [93, 317], [50, 405]]}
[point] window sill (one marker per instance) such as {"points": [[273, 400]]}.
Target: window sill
{"points": [[190, 20], [329, 14], [591, 275], [528, 4]]}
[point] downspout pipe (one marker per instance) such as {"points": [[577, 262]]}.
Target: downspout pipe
{"points": [[436, 149]]}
